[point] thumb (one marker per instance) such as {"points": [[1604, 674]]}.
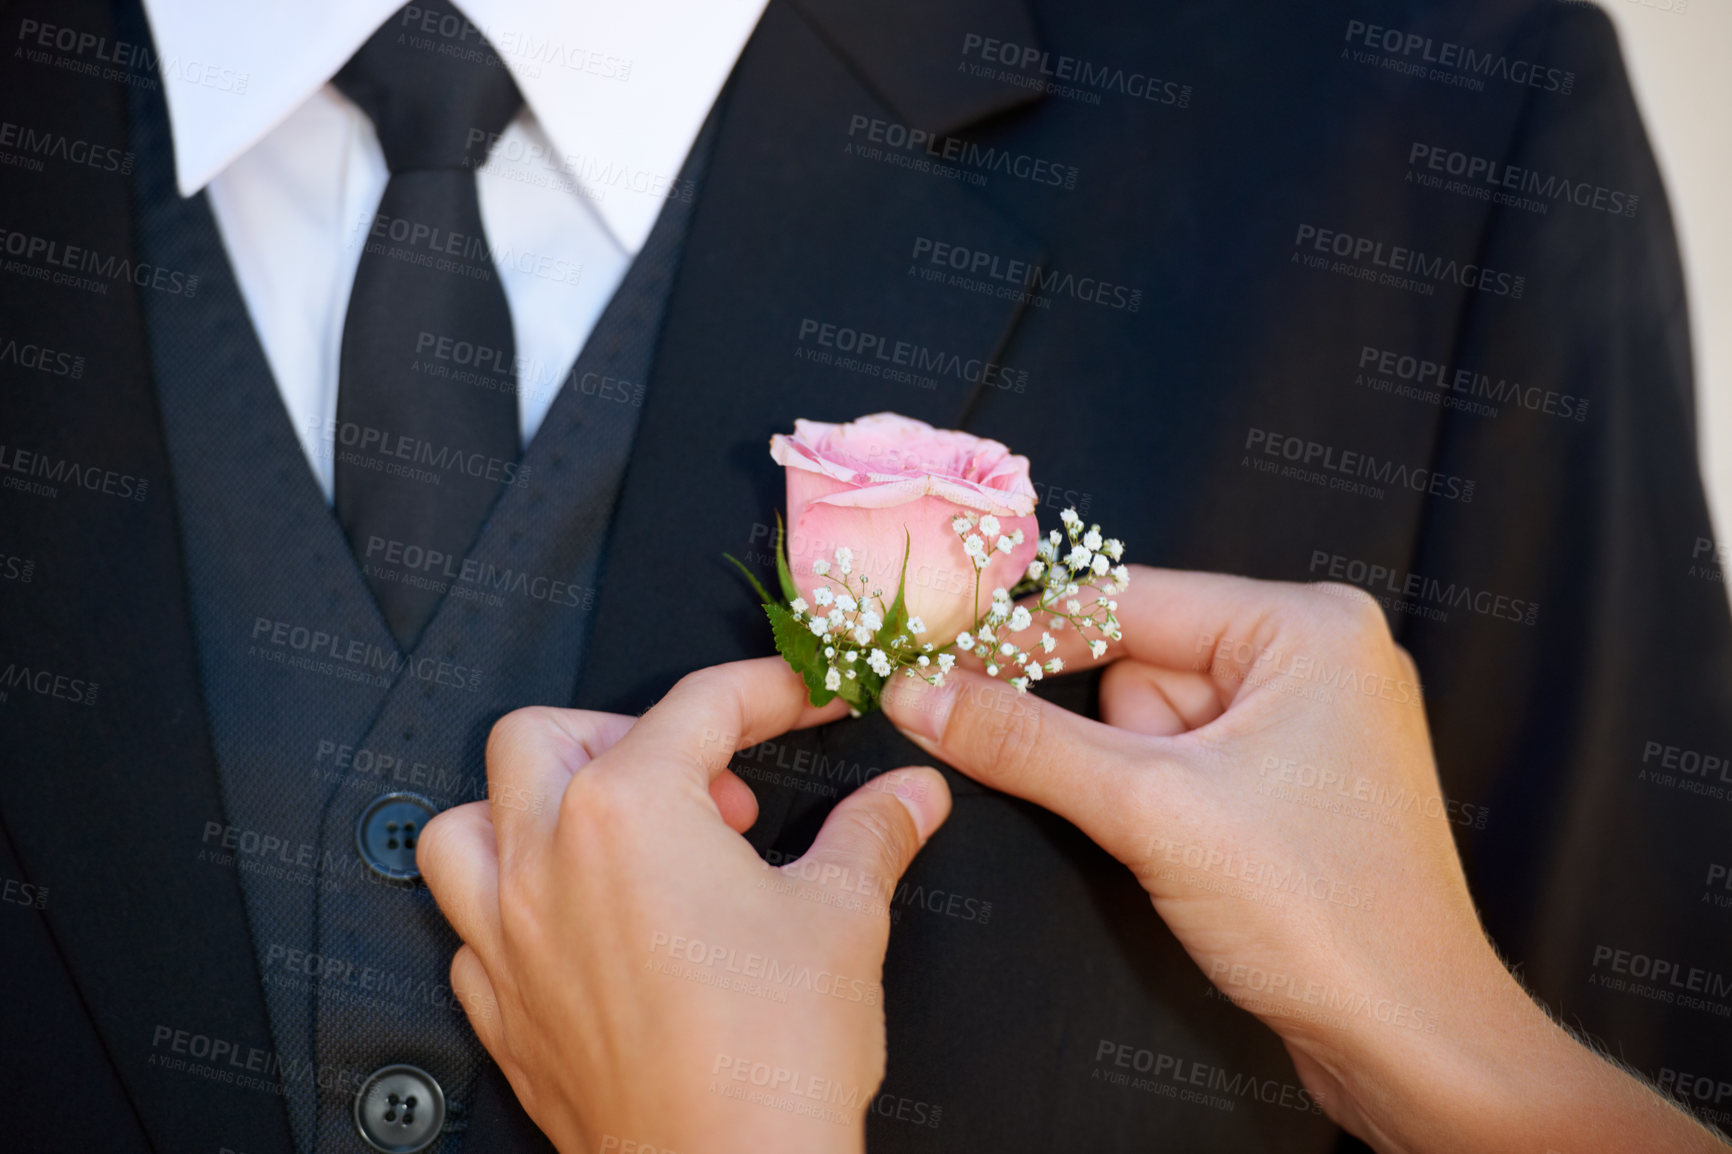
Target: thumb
{"points": [[1091, 774], [876, 830]]}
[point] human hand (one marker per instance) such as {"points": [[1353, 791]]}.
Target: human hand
{"points": [[638, 972], [1265, 771]]}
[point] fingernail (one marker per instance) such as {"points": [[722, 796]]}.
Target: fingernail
{"points": [[918, 706], [922, 793]]}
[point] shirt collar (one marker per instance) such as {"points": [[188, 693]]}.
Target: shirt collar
{"points": [[621, 87]]}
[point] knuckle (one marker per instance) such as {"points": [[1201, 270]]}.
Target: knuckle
{"points": [[518, 728], [886, 828], [1008, 740]]}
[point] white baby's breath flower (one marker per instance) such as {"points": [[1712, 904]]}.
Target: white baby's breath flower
{"points": [[1048, 642], [1033, 670], [1016, 537], [1070, 518], [798, 605], [973, 545], [851, 655], [1073, 605], [835, 619], [916, 626], [991, 669], [1055, 538], [1001, 594], [999, 611], [1115, 548], [1097, 647], [829, 651], [989, 525], [871, 620], [1021, 684], [832, 679], [964, 642], [1004, 544], [880, 662], [961, 523], [1007, 648], [1092, 539], [820, 567], [1099, 565], [845, 560], [1122, 575], [945, 661], [846, 603], [923, 661], [1055, 665], [1077, 558], [862, 635], [824, 595], [819, 625], [1035, 569], [1020, 619]]}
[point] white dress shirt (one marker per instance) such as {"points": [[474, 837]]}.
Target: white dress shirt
{"points": [[614, 92]]}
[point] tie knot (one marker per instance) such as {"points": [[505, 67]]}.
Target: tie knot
{"points": [[436, 91]]}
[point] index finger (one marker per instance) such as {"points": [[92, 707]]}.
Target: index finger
{"points": [[1180, 620], [694, 731]]}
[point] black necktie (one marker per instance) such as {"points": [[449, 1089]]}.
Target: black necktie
{"points": [[426, 431]]}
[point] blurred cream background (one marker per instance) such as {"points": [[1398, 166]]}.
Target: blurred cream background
{"points": [[1679, 55]]}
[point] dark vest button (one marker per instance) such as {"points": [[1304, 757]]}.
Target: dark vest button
{"points": [[400, 1109], [388, 831]]}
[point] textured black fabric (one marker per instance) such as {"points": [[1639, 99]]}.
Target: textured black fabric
{"points": [[426, 275], [1017, 948]]}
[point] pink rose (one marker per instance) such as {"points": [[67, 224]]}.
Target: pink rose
{"points": [[874, 484]]}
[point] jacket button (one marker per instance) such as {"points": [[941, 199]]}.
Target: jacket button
{"points": [[388, 831], [400, 1109]]}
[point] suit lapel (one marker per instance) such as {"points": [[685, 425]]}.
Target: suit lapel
{"points": [[108, 797], [796, 232]]}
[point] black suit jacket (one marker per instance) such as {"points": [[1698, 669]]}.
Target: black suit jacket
{"points": [[1202, 365]]}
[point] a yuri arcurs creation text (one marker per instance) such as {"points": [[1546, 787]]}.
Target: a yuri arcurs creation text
{"points": [[908, 545]]}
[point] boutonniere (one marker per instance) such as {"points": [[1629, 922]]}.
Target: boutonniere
{"points": [[906, 546]]}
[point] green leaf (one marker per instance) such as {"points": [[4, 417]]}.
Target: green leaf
{"points": [[802, 650], [757, 585], [789, 590], [896, 617]]}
